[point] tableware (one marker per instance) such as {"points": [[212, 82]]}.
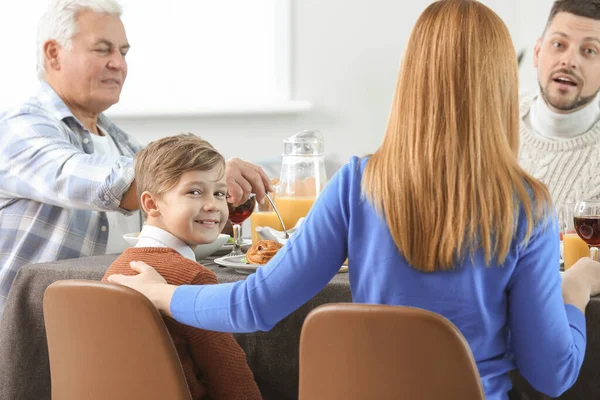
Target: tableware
{"points": [[235, 262], [268, 233], [204, 250], [237, 215], [587, 224], [238, 265], [263, 218], [201, 251], [264, 215], [244, 244], [574, 248], [302, 177], [287, 235], [226, 248]]}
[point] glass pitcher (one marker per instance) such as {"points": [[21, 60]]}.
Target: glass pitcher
{"points": [[302, 177]]}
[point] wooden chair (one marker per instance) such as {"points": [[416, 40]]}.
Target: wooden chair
{"points": [[360, 351], [107, 341]]}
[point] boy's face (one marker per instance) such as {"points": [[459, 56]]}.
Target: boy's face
{"points": [[195, 209]]}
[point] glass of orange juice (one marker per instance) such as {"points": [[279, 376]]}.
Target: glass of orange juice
{"points": [[263, 216], [574, 247]]}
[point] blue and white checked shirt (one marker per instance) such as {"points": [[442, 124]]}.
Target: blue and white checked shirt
{"points": [[54, 191]]}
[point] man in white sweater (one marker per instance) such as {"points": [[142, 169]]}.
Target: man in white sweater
{"points": [[560, 125]]}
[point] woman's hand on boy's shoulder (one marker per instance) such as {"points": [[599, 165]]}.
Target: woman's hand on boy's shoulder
{"points": [[243, 179], [149, 283]]}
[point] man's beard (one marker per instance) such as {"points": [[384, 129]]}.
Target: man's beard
{"points": [[577, 102]]}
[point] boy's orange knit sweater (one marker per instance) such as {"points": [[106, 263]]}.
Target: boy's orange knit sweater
{"points": [[213, 362]]}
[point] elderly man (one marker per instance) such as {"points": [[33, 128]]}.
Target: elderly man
{"points": [[560, 127], [66, 177]]}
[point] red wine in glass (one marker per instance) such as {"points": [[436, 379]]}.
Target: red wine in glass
{"points": [[588, 229], [239, 214]]}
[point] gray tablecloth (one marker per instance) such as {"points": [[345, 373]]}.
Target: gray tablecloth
{"points": [[273, 355], [24, 365]]}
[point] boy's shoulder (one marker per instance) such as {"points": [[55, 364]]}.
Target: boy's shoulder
{"points": [[175, 268]]}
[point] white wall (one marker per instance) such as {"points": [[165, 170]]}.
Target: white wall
{"points": [[345, 57], [532, 20]]}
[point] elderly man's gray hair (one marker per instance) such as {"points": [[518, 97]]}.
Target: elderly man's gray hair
{"points": [[59, 23]]}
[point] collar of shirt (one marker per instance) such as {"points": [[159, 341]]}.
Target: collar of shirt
{"points": [[54, 104], [554, 126], [151, 236]]}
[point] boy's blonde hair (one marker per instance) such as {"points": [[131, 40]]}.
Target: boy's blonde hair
{"points": [[160, 165]]}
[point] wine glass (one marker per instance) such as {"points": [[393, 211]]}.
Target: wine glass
{"points": [[586, 219], [237, 215]]}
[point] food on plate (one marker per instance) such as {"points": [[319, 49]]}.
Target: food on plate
{"points": [[262, 251]]}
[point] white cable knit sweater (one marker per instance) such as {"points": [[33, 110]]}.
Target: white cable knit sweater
{"points": [[570, 168]]}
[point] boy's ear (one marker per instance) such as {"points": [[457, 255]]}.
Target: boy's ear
{"points": [[149, 205]]}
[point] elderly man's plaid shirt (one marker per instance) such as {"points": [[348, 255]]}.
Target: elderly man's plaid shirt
{"points": [[53, 190]]}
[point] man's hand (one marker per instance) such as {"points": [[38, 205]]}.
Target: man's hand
{"points": [[149, 283], [244, 179], [130, 199], [580, 282]]}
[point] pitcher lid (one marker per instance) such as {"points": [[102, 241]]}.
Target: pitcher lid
{"points": [[304, 143]]}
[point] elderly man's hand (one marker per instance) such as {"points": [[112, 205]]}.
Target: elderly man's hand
{"points": [[244, 179]]}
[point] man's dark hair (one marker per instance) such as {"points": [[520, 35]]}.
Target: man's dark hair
{"points": [[581, 8]]}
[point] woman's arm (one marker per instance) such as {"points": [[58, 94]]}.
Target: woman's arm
{"points": [[307, 262], [548, 336]]}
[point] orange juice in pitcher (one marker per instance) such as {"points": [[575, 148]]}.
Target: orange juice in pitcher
{"points": [[302, 176], [293, 208]]}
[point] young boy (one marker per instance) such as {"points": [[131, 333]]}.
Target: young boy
{"points": [[181, 187]]}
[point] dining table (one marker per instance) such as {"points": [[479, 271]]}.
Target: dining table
{"points": [[272, 355]]}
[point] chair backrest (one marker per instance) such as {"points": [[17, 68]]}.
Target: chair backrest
{"points": [[362, 351], [106, 341]]}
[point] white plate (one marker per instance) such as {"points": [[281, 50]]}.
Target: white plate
{"points": [[236, 263]]}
